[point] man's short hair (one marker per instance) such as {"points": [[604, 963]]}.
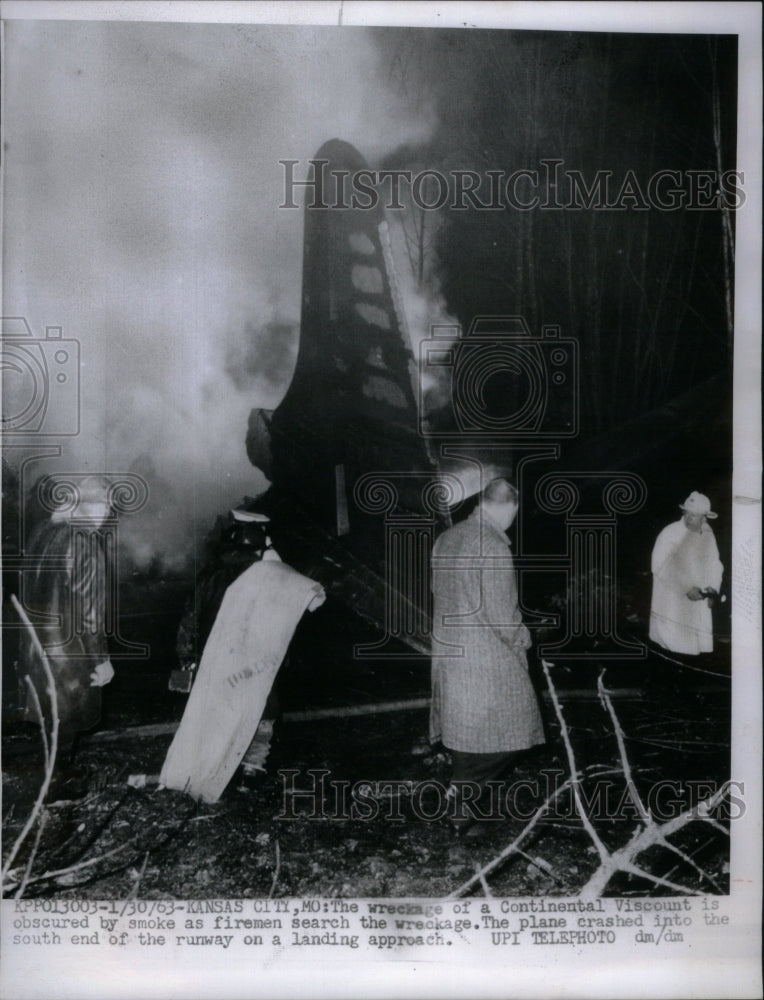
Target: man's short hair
{"points": [[499, 491]]}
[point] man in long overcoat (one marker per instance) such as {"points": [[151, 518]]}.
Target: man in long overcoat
{"points": [[484, 707], [65, 589]]}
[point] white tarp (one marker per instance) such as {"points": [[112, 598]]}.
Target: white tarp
{"points": [[245, 649]]}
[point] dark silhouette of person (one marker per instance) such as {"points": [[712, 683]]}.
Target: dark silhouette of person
{"points": [[65, 592]]}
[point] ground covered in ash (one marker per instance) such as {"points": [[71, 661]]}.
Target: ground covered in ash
{"points": [[122, 841]]}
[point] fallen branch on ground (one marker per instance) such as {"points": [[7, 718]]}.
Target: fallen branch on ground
{"points": [[276, 872], [648, 834], [133, 894], [51, 751], [512, 848], [32, 855], [41, 720], [72, 868], [483, 884], [651, 834]]}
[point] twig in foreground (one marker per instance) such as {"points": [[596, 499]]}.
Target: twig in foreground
{"points": [[576, 782], [33, 855], [634, 795], [139, 878], [483, 883], [511, 848], [72, 868], [53, 738], [41, 719], [276, 873]]}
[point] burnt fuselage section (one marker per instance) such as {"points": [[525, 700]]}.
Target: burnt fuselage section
{"points": [[345, 448]]}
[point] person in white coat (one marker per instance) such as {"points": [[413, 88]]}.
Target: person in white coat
{"points": [[687, 575]]}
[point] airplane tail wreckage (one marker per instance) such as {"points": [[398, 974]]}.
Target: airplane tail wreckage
{"points": [[344, 449], [363, 475]]}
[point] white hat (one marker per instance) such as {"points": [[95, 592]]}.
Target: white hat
{"points": [[248, 516], [698, 503]]}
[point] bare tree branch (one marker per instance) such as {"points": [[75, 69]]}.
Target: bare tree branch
{"points": [[51, 759], [72, 868], [276, 872], [657, 880], [483, 884], [647, 834], [511, 848], [139, 878], [40, 718], [632, 788], [32, 855], [691, 862], [601, 849]]}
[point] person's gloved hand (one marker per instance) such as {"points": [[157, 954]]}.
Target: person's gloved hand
{"points": [[317, 600], [517, 637], [102, 674], [523, 638]]}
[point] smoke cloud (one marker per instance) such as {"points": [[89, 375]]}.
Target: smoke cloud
{"points": [[424, 304], [142, 185]]}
